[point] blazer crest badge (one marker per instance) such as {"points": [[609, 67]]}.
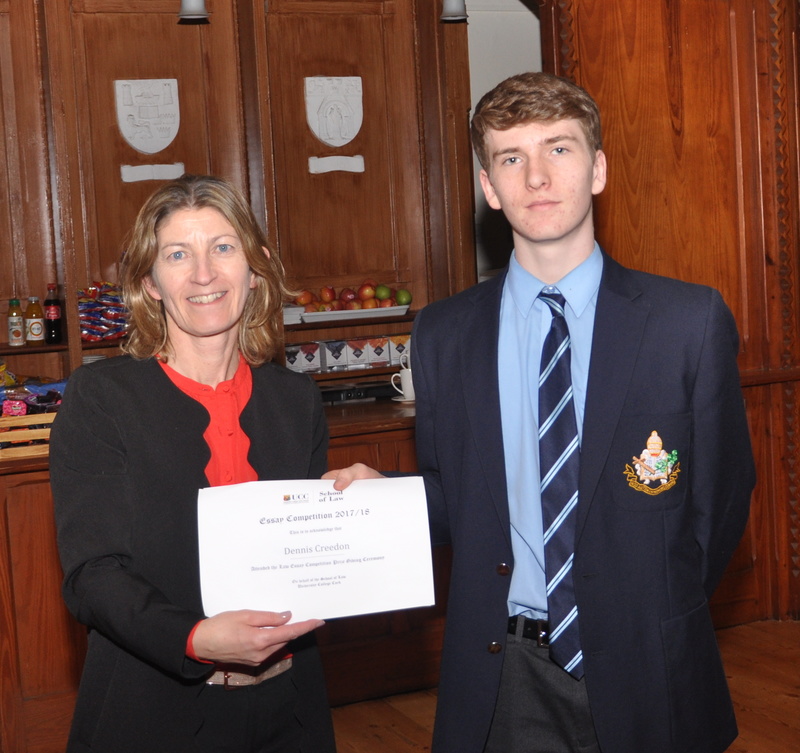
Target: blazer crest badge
{"points": [[655, 470]]}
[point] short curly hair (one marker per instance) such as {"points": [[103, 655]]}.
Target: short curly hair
{"points": [[260, 328], [533, 97]]}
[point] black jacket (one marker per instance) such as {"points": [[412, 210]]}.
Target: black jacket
{"points": [[127, 458]]}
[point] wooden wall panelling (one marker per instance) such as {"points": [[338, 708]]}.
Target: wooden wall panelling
{"points": [[28, 261], [446, 101], [699, 102], [258, 109], [775, 161], [43, 647], [91, 44], [341, 227], [391, 451]]}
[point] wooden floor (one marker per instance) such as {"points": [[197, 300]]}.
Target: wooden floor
{"points": [[762, 662]]}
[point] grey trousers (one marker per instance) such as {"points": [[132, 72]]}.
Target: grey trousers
{"points": [[540, 708]]}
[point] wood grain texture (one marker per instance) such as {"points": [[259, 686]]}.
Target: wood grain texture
{"points": [[761, 663], [700, 109]]}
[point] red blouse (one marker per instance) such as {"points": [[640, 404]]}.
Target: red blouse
{"points": [[224, 436]]}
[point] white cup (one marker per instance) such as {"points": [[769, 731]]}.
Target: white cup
{"points": [[405, 360], [406, 388]]}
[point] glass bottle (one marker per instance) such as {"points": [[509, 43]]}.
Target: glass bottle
{"points": [[16, 323], [52, 315], [34, 321]]}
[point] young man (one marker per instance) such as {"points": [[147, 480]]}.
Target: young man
{"points": [[578, 611]]}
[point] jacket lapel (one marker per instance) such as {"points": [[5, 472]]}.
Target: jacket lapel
{"points": [[620, 322], [480, 380]]}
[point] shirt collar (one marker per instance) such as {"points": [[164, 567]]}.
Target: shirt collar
{"points": [[200, 391], [578, 287]]}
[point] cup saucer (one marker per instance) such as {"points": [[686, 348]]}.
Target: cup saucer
{"points": [[401, 400]]}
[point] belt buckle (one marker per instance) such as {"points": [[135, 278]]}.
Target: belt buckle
{"points": [[532, 630], [542, 636]]}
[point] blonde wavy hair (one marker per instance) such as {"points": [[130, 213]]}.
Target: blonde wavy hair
{"points": [[260, 328], [533, 98]]}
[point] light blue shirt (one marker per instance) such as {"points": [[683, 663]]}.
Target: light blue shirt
{"points": [[524, 324]]}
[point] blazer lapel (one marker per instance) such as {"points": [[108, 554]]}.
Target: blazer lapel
{"points": [[480, 380], [620, 322]]}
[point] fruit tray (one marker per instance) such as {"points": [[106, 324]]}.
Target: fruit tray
{"points": [[344, 315]]}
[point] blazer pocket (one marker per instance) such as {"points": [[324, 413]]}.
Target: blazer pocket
{"points": [[648, 464]]}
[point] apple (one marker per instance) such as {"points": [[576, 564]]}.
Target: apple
{"points": [[347, 294], [325, 306], [382, 292], [310, 308], [366, 291], [305, 296], [353, 305], [370, 303], [327, 294], [337, 304], [387, 302], [403, 297]]}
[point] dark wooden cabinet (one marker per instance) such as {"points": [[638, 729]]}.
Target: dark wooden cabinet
{"points": [[41, 645]]}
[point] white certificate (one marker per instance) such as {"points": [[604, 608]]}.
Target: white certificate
{"points": [[305, 547]]}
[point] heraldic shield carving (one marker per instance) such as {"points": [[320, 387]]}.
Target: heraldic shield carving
{"points": [[334, 109], [148, 112]]}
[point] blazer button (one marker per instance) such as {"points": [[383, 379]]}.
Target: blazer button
{"points": [[495, 647], [503, 569]]}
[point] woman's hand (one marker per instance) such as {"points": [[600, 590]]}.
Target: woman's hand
{"points": [[246, 636], [343, 477]]}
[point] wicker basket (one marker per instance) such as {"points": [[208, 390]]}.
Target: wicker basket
{"points": [[20, 431]]}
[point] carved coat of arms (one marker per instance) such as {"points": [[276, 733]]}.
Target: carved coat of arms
{"points": [[334, 109], [148, 112]]}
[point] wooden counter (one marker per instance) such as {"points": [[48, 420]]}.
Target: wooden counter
{"points": [[42, 646]]}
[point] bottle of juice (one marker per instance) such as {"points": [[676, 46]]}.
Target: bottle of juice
{"points": [[34, 321], [16, 323], [52, 315]]}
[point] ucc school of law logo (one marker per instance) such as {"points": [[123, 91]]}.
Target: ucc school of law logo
{"points": [[148, 112], [654, 470], [294, 498]]}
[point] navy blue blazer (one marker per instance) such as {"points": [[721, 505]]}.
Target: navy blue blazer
{"points": [[648, 556]]}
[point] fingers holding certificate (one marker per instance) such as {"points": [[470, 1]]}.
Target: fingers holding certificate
{"points": [[319, 552]]}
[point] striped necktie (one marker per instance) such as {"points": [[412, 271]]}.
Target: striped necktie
{"points": [[559, 461]]}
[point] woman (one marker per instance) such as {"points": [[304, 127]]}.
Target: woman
{"points": [[196, 402]]}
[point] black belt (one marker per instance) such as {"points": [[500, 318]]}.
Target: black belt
{"points": [[536, 630]]}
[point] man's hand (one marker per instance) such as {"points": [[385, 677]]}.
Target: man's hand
{"points": [[343, 477]]}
